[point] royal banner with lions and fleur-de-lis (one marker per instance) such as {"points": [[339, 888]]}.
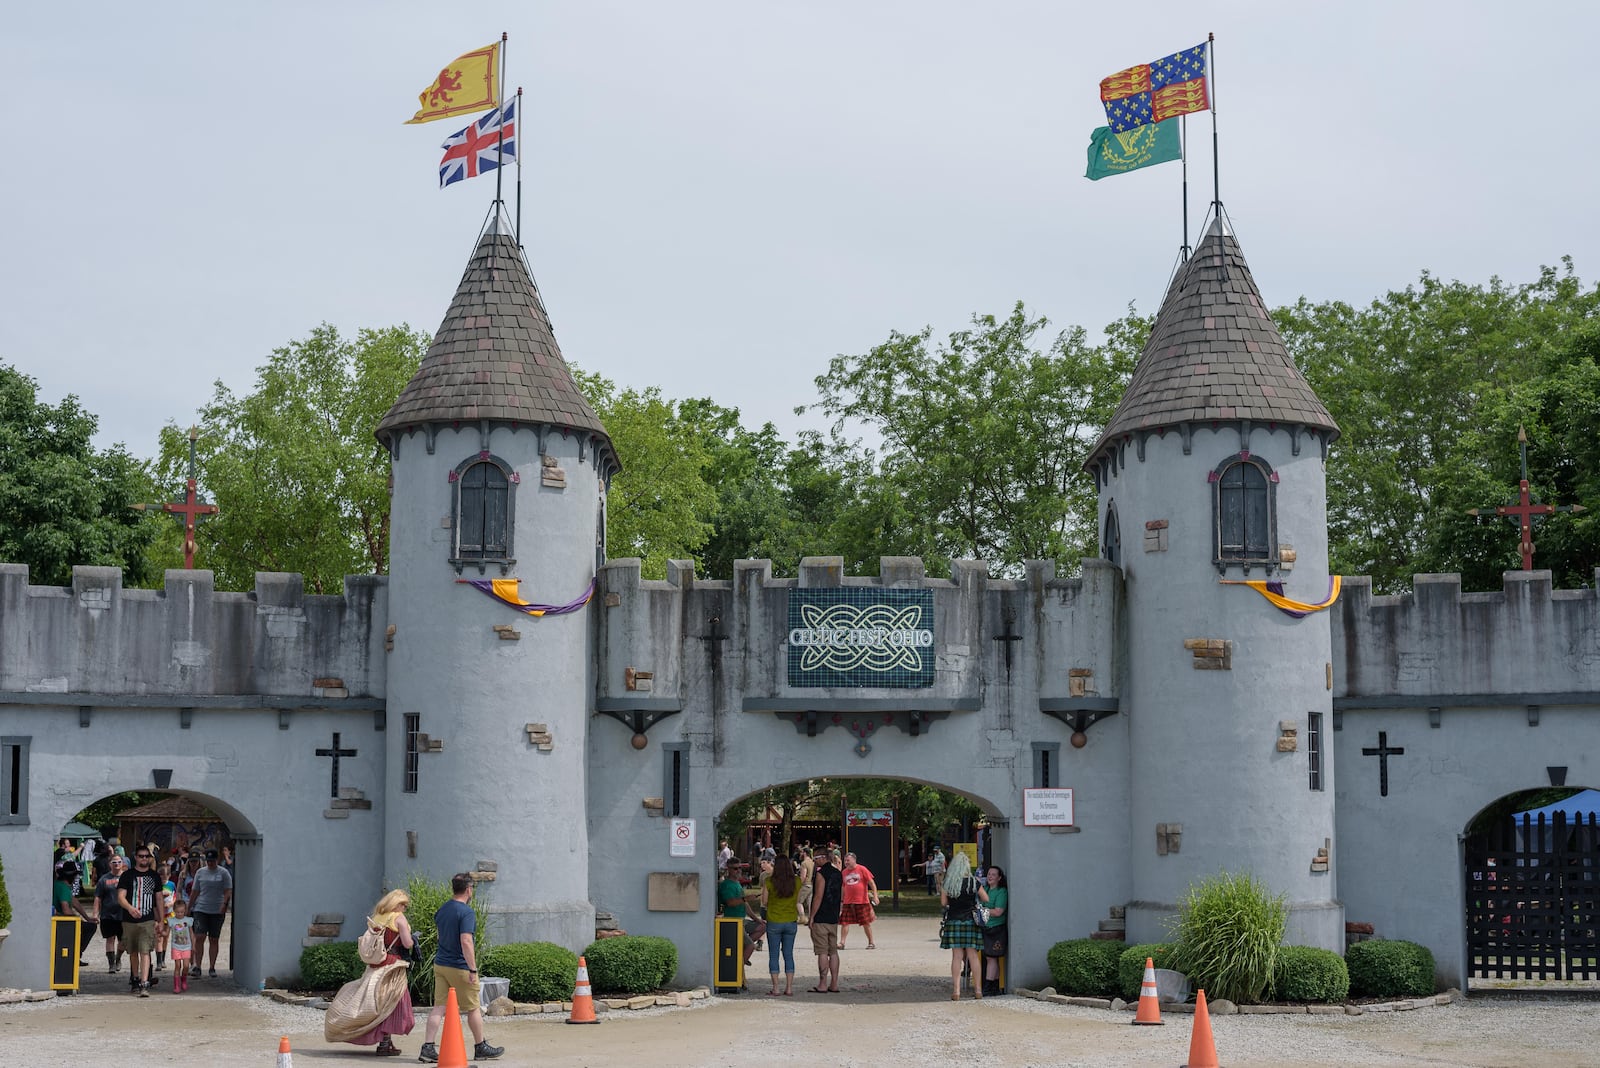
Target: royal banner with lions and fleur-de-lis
{"points": [[861, 637]]}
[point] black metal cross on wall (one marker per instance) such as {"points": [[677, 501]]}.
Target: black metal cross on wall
{"points": [[336, 753], [1008, 636], [1383, 753]]}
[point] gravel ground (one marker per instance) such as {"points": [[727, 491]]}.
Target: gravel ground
{"points": [[895, 1008]]}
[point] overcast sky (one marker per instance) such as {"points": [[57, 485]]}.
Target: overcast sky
{"points": [[719, 197]]}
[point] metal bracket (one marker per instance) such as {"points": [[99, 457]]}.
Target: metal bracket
{"points": [[1081, 720], [861, 725]]}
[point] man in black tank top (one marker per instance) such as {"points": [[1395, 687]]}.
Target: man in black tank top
{"points": [[827, 893]]}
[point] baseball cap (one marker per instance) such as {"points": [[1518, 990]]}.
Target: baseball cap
{"points": [[212, 854]]}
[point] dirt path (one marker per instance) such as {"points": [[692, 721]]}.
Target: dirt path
{"points": [[895, 1009]]}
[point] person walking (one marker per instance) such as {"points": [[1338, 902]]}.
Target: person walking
{"points": [[959, 932], [807, 869], [181, 941], [995, 941], [110, 913], [140, 898], [827, 896], [455, 967], [933, 868], [209, 896], [860, 895], [371, 1010], [780, 898]]}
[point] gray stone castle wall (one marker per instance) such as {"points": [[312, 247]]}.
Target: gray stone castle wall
{"points": [[1485, 692], [229, 692]]}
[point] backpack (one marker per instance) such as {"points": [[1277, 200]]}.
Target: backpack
{"points": [[370, 947]]}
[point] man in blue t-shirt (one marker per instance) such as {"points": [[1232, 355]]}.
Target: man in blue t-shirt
{"points": [[455, 967]]}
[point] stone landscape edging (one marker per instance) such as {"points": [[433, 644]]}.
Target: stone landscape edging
{"points": [[1222, 1007], [678, 999]]}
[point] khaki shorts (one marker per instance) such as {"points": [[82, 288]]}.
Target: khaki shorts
{"points": [[138, 937], [824, 939], [463, 982]]}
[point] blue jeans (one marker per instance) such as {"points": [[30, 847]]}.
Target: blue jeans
{"points": [[780, 938]]}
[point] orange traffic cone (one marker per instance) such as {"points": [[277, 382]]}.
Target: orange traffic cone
{"points": [[1149, 1012], [285, 1057], [452, 1048], [1202, 1049], [582, 997]]}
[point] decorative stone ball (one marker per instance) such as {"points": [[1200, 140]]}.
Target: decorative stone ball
{"points": [[640, 741], [1079, 739]]}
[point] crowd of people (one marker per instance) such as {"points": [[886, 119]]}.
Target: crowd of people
{"points": [[146, 908], [828, 891]]}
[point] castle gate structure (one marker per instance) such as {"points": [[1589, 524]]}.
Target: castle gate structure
{"points": [[511, 703]]}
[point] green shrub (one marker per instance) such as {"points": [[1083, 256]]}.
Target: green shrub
{"points": [[631, 964], [426, 897], [1227, 933], [1305, 973], [1086, 967], [1380, 969], [5, 900], [330, 965], [1130, 966], [539, 971]]}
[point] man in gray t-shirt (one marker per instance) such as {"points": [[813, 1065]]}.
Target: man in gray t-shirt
{"points": [[208, 903]]}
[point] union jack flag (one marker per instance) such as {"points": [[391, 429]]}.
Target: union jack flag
{"points": [[476, 150]]}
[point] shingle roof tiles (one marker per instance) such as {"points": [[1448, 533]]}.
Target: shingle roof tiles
{"points": [[493, 356], [1214, 353]]}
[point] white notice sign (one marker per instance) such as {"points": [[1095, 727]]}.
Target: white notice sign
{"points": [[1047, 808], [680, 841]]}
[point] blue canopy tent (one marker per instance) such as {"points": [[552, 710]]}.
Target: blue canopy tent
{"points": [[1581, 807]]}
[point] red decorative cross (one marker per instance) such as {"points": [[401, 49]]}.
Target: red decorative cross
{"points": [[1524, 510], [189, 510], [469, 148]]}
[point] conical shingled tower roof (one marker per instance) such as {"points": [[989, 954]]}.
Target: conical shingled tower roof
{"points": [[1214, 355], [494, 357]]}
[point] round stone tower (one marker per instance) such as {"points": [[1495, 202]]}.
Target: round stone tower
{"points": [[1211, 474], [499, 472]]}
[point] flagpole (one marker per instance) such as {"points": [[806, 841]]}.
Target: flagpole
{"points": [[1183, 154], [500, 151], [1216, 180], [519, 172]]}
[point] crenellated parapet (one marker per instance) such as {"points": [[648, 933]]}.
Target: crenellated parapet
{"points": [[187, 639], [1438, 643], [900, 638]]}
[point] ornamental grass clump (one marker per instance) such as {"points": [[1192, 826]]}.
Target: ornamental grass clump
{"points": [[1227, 932]]}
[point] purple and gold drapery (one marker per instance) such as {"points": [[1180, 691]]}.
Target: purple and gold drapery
{"points": [[1273, 592], [506, 592]]}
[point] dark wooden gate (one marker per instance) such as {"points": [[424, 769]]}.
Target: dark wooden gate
{"points": [[1533, 899]]}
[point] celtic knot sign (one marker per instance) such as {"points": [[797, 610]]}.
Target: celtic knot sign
{"points": [[861, 637]]}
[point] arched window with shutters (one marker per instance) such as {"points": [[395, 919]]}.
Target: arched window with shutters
{"points": [[1244, 505], [482, 510]]}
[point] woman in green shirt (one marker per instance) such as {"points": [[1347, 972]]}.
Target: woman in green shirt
{"points": [[994, 894], [780, 897]]}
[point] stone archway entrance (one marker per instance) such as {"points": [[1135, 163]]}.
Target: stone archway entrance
{"points": [[239, 954], [905, 963], [1533, 892]]}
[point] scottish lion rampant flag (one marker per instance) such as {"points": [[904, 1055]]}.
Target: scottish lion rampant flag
{"points": [[476, 150]]}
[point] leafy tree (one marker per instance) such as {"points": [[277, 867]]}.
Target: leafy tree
{"points": [[1422, 384], [102, 814], [922, 811], [983, 436], [657, 507], [299, 481], [62, 502]]}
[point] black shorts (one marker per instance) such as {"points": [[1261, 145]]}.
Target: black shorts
{"points": [[110, 928], [208, 925]]}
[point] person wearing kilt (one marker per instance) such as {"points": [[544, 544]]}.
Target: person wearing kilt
{"points": [[860, 894], [960, 932]]}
